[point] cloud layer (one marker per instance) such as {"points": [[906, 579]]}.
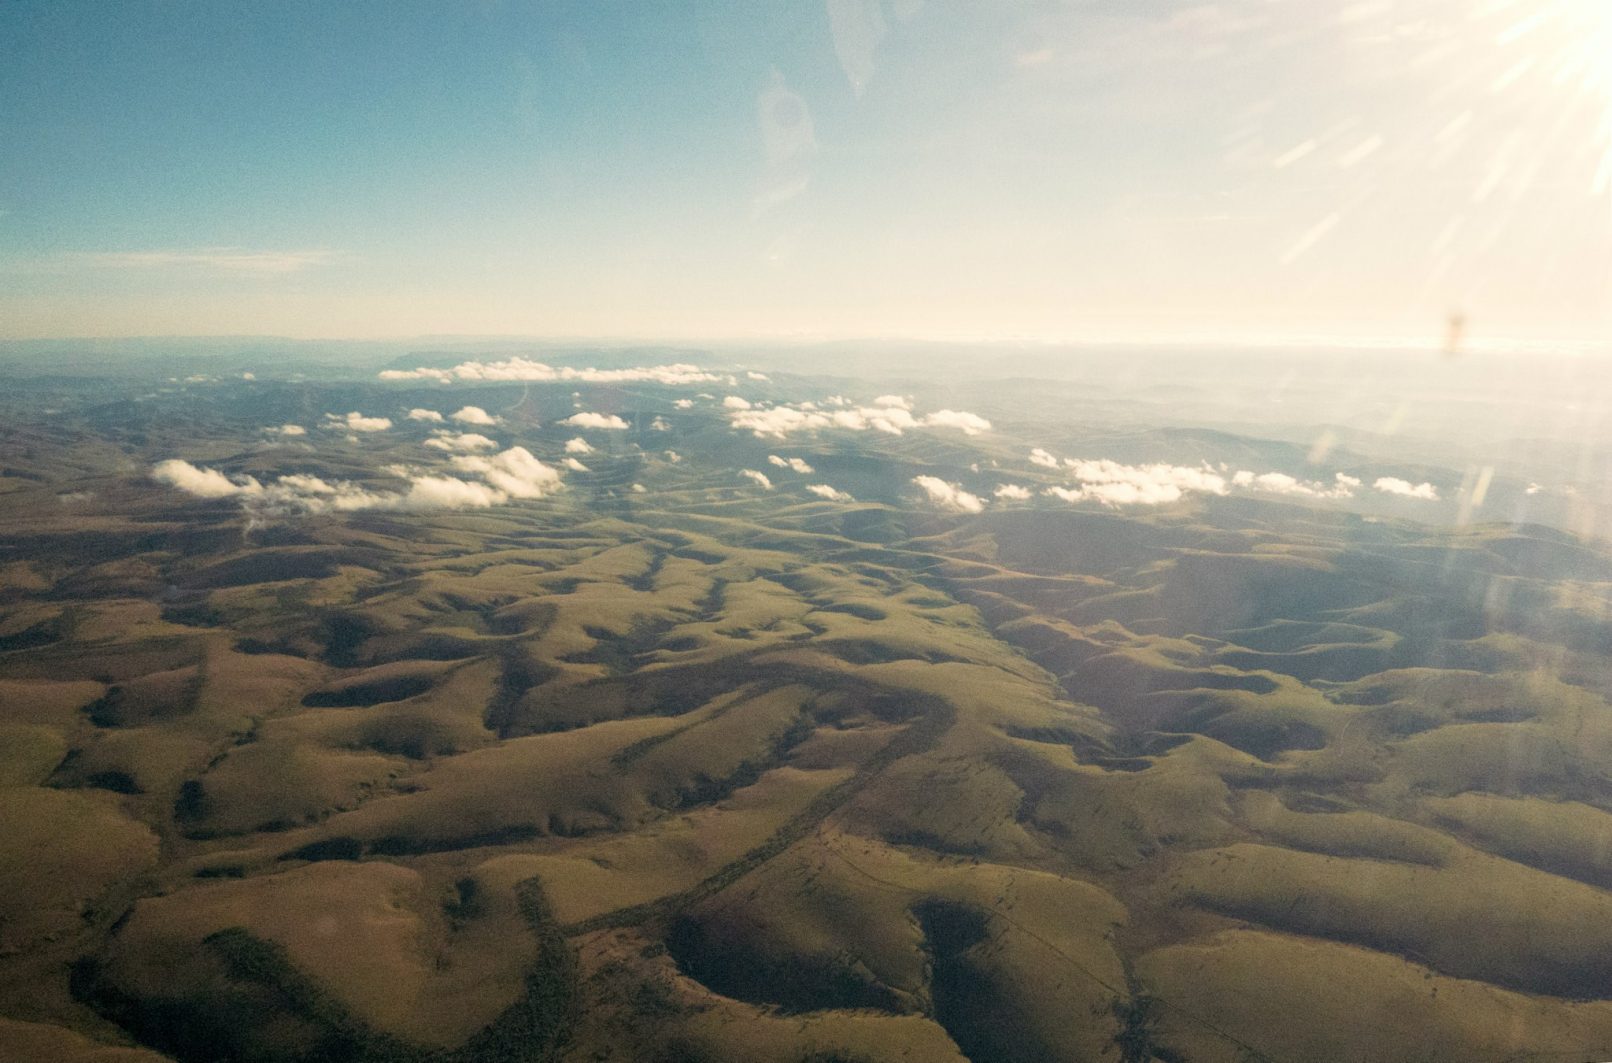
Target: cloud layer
{"points": [[510, 475], [596, 420], [779, 422], [522, 369]]}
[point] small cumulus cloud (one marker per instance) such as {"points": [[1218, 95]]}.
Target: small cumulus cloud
{"points": [[576, 466], [796, 464], [660, 424], [417, 414], [970, 424], [515, 472], [461, 441], [474, 415], [578, 445], [1393, 485], [596, 420], [830, 493], [1012, 493], [760, 478], [734, 402], [898, 401], [357, 422], [1280, 483], [203, 483], [684, 404], [1043, 458], [948, 495], [290, 430], [639, 489], [753, 375]]}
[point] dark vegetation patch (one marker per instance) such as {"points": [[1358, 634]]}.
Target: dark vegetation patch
{"points": [[151, 698], [244, 1000], [41, 634], [119, 782], [872, 651], [343, 634], [1265, 735], [368, 692], [338, 848], [221, 871], [969, 1003], [918, 838], [702, 789], [399, 845], [258, 646], [469, 901], [416, 735], [795, 984], [856, 609], [273, 565], [520, 676]]}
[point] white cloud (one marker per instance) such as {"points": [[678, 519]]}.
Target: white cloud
{"points": [[673, 456], [734, 402], [639, 489], [248, 376], [1393, 485], [203, 483], [578, 445], [474, 415], [893, 400], [797, 464], [1280, 483], [290, 430], [417, 414], [1012, 493], [779, 422], [522, 369], [1142, 484], [971, 424], [461, 441], [447, 492], [949, 496], [825, 491], [1043, 458], [759, 477], [1112, 483], [357, 422], [753, 375], [576, 466], [684, 404], [596, 420], [515, 472], [660, 424]]}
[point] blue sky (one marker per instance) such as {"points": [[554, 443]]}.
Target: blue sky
{"points": [[1062, 170]]}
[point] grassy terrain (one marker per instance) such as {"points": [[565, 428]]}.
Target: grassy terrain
{"points": [[709, 773]]}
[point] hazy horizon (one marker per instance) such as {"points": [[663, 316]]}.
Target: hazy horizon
{"points": [[1164, 171]]}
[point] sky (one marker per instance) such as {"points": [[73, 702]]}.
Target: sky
{"points": [[1107, 170]]}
